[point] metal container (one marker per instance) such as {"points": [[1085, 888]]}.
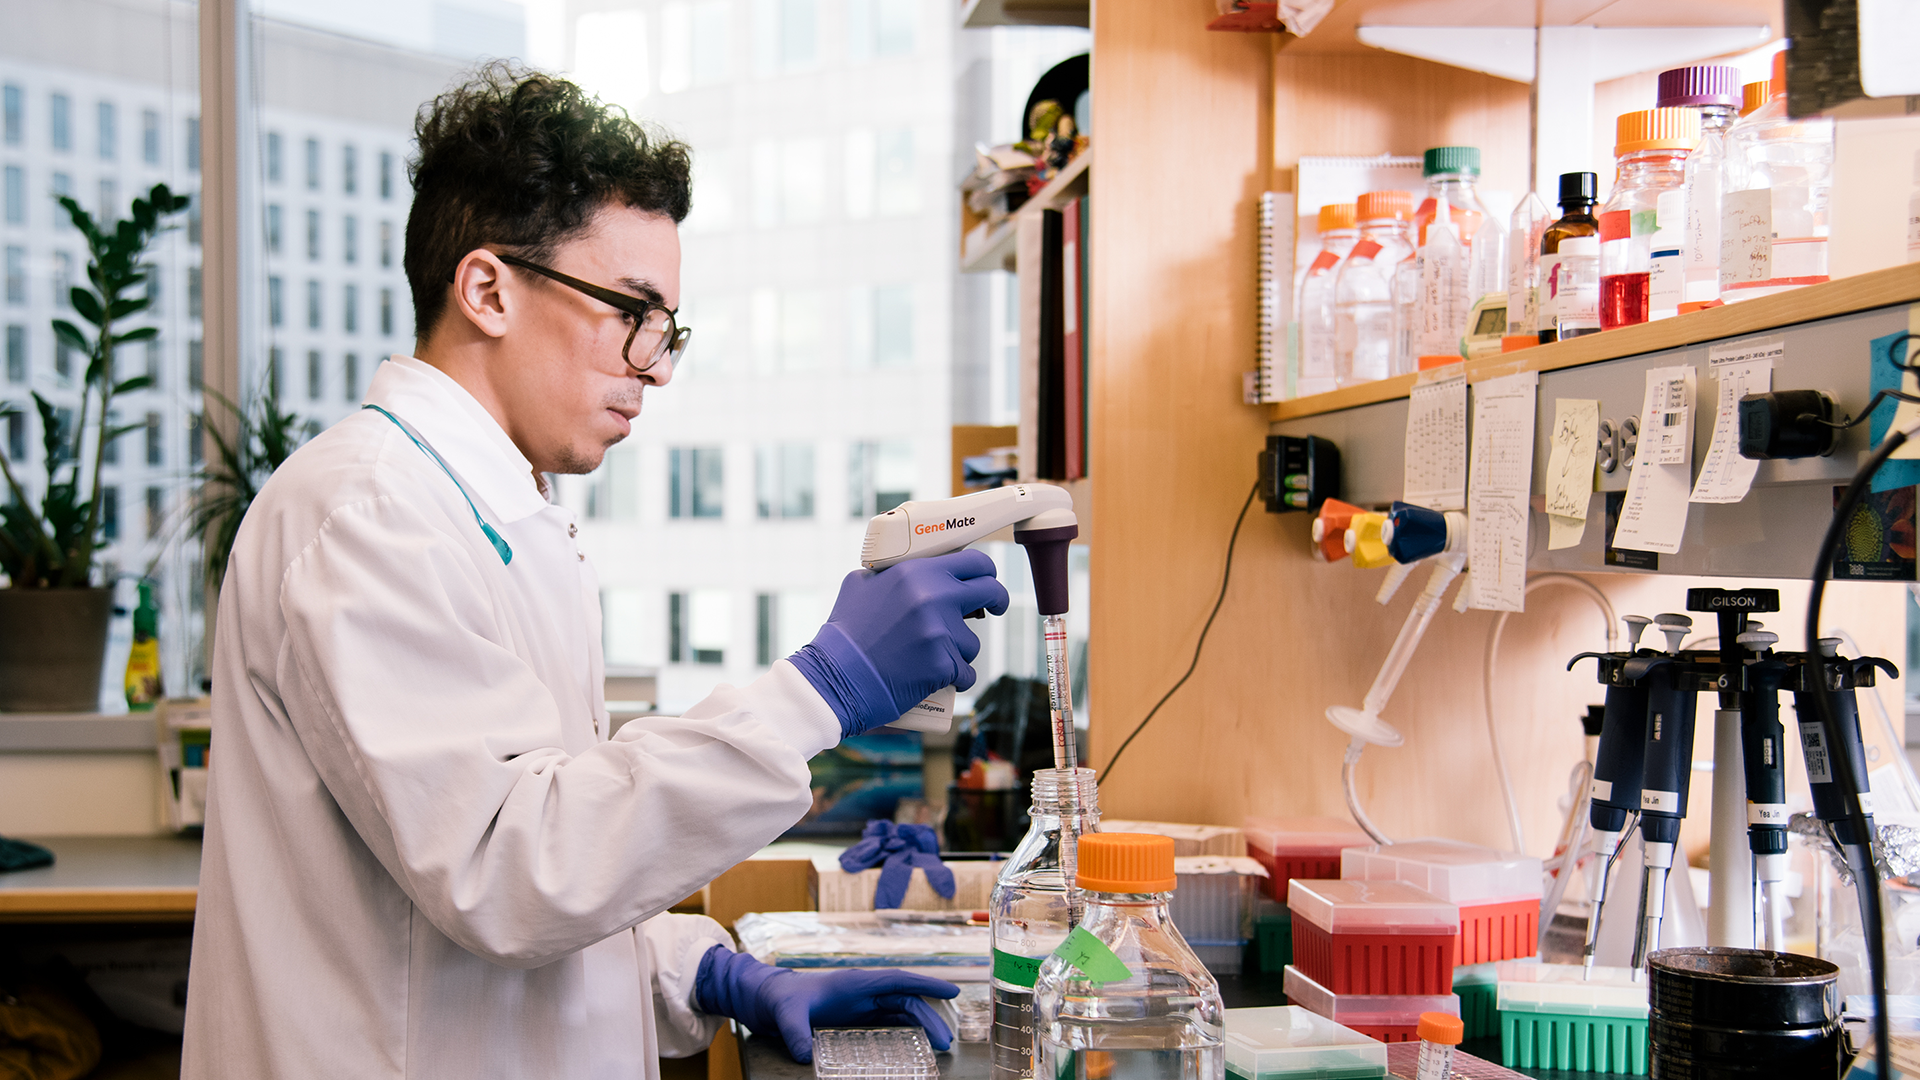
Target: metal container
{"points": [[1720, 1012]]}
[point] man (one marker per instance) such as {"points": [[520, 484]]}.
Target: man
{"points": [[424, 857]]}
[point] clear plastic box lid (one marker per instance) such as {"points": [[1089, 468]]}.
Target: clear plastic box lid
{"points": [[1366, 1010], [1463, 873], [1289, 1040], [1322, 836], [1568, 990], [895, 1053], [1371, 907]]}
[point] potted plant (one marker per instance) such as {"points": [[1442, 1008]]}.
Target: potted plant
{"points": [[53, 618], [263, 439]]}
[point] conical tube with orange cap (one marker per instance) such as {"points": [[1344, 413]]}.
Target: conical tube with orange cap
{"points": [[1439, 1034]]}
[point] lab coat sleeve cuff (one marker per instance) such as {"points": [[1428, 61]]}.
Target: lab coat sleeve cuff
{"points": [[676, 944], [794, 709]]}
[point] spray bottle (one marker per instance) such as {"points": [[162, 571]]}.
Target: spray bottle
{"points": [[143, 662]]}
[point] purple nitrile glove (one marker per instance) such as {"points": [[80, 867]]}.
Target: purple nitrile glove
{"points": [[897, 635], [769, 999], [897, 849]]}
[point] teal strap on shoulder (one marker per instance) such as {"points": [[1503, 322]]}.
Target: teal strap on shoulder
{"points": [[499, 545]]}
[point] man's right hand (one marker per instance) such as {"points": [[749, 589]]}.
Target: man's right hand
{"points": [[897, 635]]}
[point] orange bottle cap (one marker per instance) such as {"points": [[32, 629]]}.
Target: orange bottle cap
{"points": [[1336, 216], [1516, 342], [1657, 129], [1755, 94], [1779, 76], [1126, 863], [1441, 1028], [1385, 204]]}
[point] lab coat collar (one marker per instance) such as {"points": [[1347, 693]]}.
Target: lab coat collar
{"points": [[448, 418]]}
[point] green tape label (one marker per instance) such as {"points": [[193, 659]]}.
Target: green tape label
{"points": [[1645, 222], [1016, 970], [1092, 957]]}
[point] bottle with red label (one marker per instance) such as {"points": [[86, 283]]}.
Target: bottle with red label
{"points": [[1338, 233], [1773, 213], [1643, 224], [1364, 299]]}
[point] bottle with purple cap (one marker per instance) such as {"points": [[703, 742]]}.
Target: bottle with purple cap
{"points": [[1714, 90]]}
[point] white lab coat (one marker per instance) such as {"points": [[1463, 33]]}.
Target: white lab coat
{"points": [[423, 856]]}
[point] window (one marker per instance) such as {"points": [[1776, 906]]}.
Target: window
{"points": [[196, 365], [315, 377], [276, 168], [896, 187], [783, 480], [196, 445], [696, 478], [386, 175], [110, 513], [150, 137], [350, 309], [614, 494], [350, 378], [313, 236], [276, 302], [62, 279], [153, 301], [62, 189], [60, 121], [277, 371], [109, 132], [799, 32], [17, 436], [109, 201], [386, 244], [349, 239], [349, 169], [877, 29], [711, 46], [111, 452], [313, 305], [879, 477], [789, 182], [313, 164], [193, 219], [16, 195], [274, 230], [195, 282], [698, 626], [63, 428], [16, 354], [16, 274], [156, 511], [154, 372], [62, 362], [193, 144], [156, 445], [16, 114], [386, 312], [893, 326]]}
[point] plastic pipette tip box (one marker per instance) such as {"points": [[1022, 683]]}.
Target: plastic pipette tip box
{"points": [[1373, 937], [1556, 1016], [1386, 1017], [1294, 1042], [1498, 891], [1478, 986], [1304, 847], [894, 1053]]}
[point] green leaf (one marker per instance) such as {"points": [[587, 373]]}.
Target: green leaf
{"points": [[128, 386], [69, 333], [86, 304], [144, 333], [126, 306], [123, 429]]}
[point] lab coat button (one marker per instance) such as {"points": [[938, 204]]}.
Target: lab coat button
{"points": [[581, 555], [573, 530]]}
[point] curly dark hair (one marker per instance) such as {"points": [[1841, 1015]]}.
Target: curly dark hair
{"points": [[522, 160]]}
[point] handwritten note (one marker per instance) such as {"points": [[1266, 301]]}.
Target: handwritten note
{"points": [[1436, 448], [1743, 367], [1569, 480], [1654, 516], [1501, 477]]}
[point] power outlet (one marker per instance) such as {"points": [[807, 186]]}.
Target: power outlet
{"points": [[1298, 473]]}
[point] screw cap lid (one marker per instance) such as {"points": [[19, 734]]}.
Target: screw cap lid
{"points": [[1451, 159], [1701, 84], [1656, 129], [1336, 216], [1126, 863]]}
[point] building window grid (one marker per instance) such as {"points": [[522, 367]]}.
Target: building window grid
{"points": [[16, 114], [696, 482], [313, 164], [276, 163], [349, 169], [150, 137], [108, 122], [60, 121], [349, 239]]}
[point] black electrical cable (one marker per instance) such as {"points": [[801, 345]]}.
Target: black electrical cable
{"points": [[1866, 876], [1225, 576], [1904, 366]]}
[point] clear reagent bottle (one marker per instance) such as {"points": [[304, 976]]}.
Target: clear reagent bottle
{"points": [[1565, 296], [1641, 226], [1773, 217], [1124, 996], [1713, 90], [1028, 916], [1440, 305], [1451, 173], [1363, 289], [1530, 221], [1338, 233]]}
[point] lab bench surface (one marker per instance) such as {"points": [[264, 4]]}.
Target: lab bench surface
{"points": [[106, 878]]}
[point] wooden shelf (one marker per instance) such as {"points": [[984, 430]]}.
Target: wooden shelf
{"points": [[106, 879], [1900, 284], [983, 248], [980, 14]]}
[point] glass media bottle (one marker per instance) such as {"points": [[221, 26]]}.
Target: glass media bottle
{"points": [[1338, 234], [1365, 327], [1642, 260], [1124, 997], [1028, 917], [1561, 299], [1773, 216], [1712, 90]]}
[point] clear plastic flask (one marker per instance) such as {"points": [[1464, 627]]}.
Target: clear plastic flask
{"points": [[1712, 90], [1027, 916], [1364, 322], [1338, 233], [1642, 262], [1773, 217], [1124, 998]]}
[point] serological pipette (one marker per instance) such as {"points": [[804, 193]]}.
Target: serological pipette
{"points": [[1046, 541]]}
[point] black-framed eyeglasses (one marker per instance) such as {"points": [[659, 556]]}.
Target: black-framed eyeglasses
{"points": [[654, 326]]}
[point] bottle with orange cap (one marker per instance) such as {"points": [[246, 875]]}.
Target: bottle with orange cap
{"points": [[1124, 996], [1773, 214], [1439, 1033], [1339, 231], [1365, 328], [1643, 223]]}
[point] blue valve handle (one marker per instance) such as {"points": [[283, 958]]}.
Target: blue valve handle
{"points": [[1417, 532]]}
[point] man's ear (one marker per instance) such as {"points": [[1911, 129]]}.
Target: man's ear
{"points": [[480, 285]]}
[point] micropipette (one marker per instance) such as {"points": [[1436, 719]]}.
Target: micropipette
{"points": [[1615, 790], [1666, 775]]}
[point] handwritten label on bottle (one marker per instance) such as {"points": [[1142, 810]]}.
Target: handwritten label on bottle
{"points": [[1746, 236], [1016, 970], [1091, 957]]}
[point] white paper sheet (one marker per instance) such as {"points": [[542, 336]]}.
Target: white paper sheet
{"points": [[1569, 479], [1436, 448], [1743, 367], [1501, 471], [1654, 516]]}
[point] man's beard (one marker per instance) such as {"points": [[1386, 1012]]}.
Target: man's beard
{"points": [[573, 463]]}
